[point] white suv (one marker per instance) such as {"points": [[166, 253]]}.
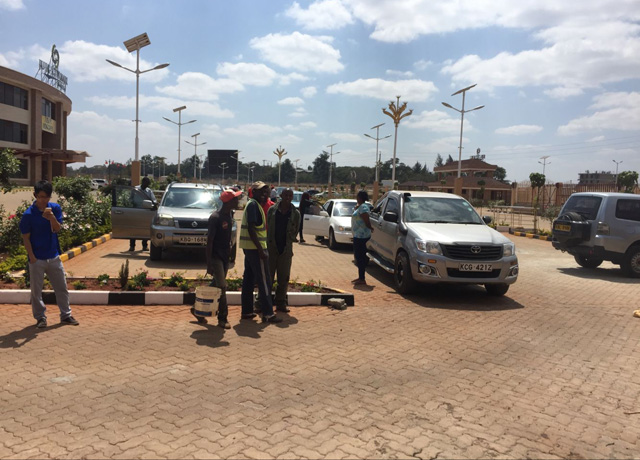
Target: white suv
{"points": [[594, 227]]}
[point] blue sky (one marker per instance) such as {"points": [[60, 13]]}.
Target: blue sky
{"points": [[555, 80]]}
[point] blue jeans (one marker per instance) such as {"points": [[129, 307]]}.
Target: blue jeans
{"points": [[55, 272], [256, 271], [360, 254]]}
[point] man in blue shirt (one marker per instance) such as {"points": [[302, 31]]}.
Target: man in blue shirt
{"points": [[39, 226]]}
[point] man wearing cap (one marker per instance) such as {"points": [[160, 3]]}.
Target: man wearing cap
{"points": [[253, 241], [218, 252], [283, 221]]}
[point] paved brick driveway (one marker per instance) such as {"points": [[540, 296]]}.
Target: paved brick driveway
{"points": [[550, 370]]}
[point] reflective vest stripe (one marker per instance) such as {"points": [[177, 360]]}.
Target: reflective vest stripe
{"points": [[261, 231]]}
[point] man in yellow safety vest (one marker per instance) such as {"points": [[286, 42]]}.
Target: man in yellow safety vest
{"points": [[253, 242]]}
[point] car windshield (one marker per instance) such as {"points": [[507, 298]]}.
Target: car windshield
{"points": [[192, 198], [586, 206], [343, 209], [439, 210]]}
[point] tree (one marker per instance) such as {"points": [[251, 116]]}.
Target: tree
{"points": [[9, 165], [417, 168], [321, 168], [146, 161], [627, 180], [287, 171], [537, 181], [500, 174], [439, 161], [449, 160]]}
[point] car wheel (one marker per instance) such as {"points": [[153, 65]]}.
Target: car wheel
{"points": [[332, 240], [587, 262], [497, 289], [404, 282], [155, 252], [631, 264]]}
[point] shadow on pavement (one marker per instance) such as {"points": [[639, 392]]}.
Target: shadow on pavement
{"points": [[16, 339], [615, 275], [470, 297], [211, 336]]}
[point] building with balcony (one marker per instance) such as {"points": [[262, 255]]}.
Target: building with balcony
{"points": [[33, 123], [596, 177]]}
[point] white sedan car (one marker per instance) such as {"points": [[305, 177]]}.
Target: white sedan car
{"points": [[332, 220]]}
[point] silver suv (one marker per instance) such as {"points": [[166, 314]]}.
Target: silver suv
{"points": [[431, 237], [594, 227], [180, 222]]}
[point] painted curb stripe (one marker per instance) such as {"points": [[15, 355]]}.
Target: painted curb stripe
{"points": [[23, 296], [71, 253], [532, 236]]}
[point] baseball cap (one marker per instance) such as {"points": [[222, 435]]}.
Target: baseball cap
{"points": [[229, 195], [258, 185]]}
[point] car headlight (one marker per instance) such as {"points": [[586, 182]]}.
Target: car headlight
{"points": [[509, 250], [430, 247], [344, 229], [165, 220]]}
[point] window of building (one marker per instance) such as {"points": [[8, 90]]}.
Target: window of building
{"points": [[23, 172], [48, 109], [14, 96], [10, 131]]}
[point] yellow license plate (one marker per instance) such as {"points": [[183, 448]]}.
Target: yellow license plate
{"points": [[562, 227]]}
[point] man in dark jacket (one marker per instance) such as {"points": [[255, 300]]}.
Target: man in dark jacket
{"points": [[283, 221]]}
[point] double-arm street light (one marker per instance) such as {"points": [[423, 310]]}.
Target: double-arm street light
{"points": [[617, 163], [237, 157], [195, 152], [331, 154], [461, 112], [179, 123], [134, 44], [377, 139], [223, 166]]}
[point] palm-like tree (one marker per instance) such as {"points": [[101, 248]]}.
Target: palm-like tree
{"points": [[395, 112]]}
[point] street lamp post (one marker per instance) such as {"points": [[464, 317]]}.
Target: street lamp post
{"points": [[134, 44], [295, 183], [331, 154], [395, 112], [195, 152], [179, 110], [377, 139], [461, 112], [237, 166], [544, 167], [617, 163], [223, 166], [279, 152]]}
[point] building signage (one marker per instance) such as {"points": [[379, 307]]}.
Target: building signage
{"points": [[49, 72], [48, 124]]}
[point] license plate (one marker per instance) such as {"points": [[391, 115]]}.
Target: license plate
{"points": [[192, 239], [562, 227], [475, 267]]}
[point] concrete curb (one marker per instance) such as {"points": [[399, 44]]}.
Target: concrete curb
{"points": [[530, 235], [71, 253], [296, 299]]}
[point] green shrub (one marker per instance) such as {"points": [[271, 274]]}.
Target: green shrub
{"points": [[123, 274], [103, 279], [79, 285], [174, 280], [78, 188]]}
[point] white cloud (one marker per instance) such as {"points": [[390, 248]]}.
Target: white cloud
{"points": [[248, 73], [422, 64], [11, 5], [299, 112], [300, 52], [291, 101], [308, 124], [519, 130], [563, 92], [410, 90], [199, 86], [164, 105], [253, 130], [436, 121], [11, 59], [348, 137], [322, 14], [308, 91], [596, 139], [616, 111], [400, 73], [291, 77]]}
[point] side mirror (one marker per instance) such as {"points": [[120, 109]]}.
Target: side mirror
{"points": [[324, 214], [487, 219], [390, 217], [147, 204]]}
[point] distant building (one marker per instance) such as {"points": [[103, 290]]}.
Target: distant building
{"points": [[33, 123], [477, 181], [596, 177]]}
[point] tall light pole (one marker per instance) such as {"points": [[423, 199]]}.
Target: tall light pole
{"points": [[395, 112], [237, 166], [295, 183], [179, 110], [135, 44], [462, 112], [544, 164], [377, 139], [331, 154], [279, 152], [223, 166], [617, 163], [195, 152]]}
